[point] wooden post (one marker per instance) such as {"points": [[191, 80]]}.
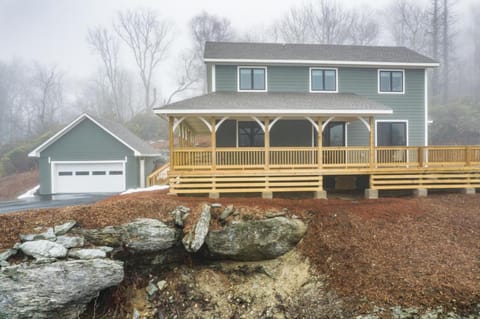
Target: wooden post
{"points": [[421, 157], [267, 143], [171, 141], [372, 141], [213, 144], [468, 157], [320, 143]]}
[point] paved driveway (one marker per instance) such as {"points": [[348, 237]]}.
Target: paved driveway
{"points": [[50, 201]]}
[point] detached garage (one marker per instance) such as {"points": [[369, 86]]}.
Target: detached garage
{"points": [[92, 155]]}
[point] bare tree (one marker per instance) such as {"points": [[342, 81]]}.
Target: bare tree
{"points": [[47, 96], [206, 27], [294, 26], [148, 38], [186, 79], [106, 46], [410, 25], [364, 29], [330, 23]]}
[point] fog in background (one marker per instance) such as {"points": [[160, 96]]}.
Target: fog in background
{"points": [[59, 58]]}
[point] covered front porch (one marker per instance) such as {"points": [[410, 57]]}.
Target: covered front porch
{"points": [[266, 150]]}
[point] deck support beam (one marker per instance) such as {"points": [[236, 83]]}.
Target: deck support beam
{"points": [[214, 195], [320, 194], [267, 195]]}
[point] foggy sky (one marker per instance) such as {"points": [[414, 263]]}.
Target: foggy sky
{"points": [[53, 32]]}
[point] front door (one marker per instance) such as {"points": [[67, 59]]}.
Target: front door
{"points": [[334, 134]]}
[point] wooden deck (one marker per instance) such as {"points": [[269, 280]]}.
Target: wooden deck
{"points": [[293, 169]]}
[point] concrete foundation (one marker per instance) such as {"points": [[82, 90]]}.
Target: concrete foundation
{"points": [[320, 195], [468, 191], [371, 193], [420, 192], [214, 195], [267, 195]]}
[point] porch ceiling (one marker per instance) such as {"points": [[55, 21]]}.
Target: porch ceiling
{"points": [[275, 104]]}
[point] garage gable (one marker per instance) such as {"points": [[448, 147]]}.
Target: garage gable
{"points": [[86, 141]]}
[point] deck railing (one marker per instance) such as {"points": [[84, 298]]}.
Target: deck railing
{"points": [[232, 158]]}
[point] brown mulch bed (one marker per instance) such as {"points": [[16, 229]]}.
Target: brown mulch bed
{"points": [[391, 251], [15, 185]]}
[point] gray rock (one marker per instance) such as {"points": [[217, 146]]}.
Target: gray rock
{"points": [[136, 314], [49, 234], [7, 254], [4, 263], [64, 228], [162, 285], [216, 205], [227, 212], [179, 214], [105, 249], [255, 240], [70, 241], [17, 246], [147, 235], [151, 289], [108, 236], [44, 261], [43, 249], [194, 240], [58, 290], [86, 254]]}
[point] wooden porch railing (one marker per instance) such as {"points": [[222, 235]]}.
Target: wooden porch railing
{"points": [[158, 176], [232, 158]]}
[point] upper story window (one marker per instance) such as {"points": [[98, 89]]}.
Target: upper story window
{"points": [[323, 80], [252, 79], [391, 81]]}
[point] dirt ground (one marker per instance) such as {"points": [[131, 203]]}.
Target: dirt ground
{"points": [[15, 185], [392, 251]]}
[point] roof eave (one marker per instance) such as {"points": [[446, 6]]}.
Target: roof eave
{"points": [[327, 62], [263, 112]]}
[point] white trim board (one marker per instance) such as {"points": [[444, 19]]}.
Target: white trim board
{"points": [[325, 62], [273, 112]]}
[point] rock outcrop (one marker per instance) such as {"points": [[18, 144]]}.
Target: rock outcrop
{"points": [[43, 249], [58, 290], [195, 238], [255, 240], [149, 235]]}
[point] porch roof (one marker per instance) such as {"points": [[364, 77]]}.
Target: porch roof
{"points": [[269, 103]]}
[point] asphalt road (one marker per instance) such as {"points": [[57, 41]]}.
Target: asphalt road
{"points": [[50, 202]]}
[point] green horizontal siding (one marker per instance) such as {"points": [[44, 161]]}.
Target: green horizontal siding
{"points": [[87, 142], [362, 81]]}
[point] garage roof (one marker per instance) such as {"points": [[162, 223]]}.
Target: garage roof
{"points": [[121, 133]]}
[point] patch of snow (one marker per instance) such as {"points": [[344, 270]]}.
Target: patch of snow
{"points": [[30, 193], [146, 189]]}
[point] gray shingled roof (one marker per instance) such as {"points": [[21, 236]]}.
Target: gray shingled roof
{"points": [[269, 102], [127, 136], [317, 52]]}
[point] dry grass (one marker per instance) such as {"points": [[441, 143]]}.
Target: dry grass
{"points": [[15, 185]]}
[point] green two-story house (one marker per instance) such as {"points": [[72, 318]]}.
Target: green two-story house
{"points": [[281, 117]]}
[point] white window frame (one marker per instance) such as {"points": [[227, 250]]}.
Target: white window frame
{"points": [[391, 121], [391, 70], [252, 67], [321, 68]]}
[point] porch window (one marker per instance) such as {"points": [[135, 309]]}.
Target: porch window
{"points": [[391, 81], [323, 80], [392, 134], [250, 134], [252, 79]]}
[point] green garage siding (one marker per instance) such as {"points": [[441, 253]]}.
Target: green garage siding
{"points": [[87, 142]]}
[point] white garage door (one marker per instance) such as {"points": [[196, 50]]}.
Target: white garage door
{"points": [[91, 177]]}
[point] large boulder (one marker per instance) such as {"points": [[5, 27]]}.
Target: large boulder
{"points": [[107, 236], [43, 249], [255, 240], [149, 235], [58, 290], [195, 238]]}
